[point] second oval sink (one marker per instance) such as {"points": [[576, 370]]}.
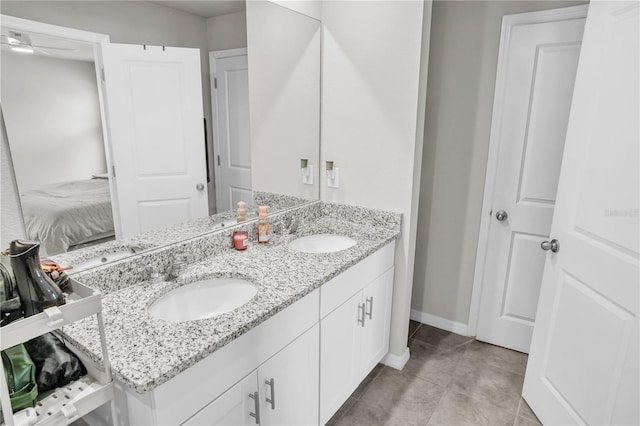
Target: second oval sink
{"points": [[203, 299], [322, 243]]}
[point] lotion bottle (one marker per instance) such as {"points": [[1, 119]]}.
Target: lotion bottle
{"points": [[242, 211], [263, 226]]}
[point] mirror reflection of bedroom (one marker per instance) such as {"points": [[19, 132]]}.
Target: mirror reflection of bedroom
{"points": [[52, 116]]}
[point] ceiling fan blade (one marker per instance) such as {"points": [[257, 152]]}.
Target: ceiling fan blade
{"points": [[39, 50], [64, 49]]}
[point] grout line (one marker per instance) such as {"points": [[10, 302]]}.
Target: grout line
{"points": [[515, 420]]}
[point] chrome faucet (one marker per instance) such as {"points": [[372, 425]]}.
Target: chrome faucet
{"points": [[173, 269]]}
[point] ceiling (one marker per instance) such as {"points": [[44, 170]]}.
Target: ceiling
{"points": [[206, 8]]}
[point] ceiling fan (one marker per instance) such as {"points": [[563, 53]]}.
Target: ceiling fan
{"points": [[21, 42]]}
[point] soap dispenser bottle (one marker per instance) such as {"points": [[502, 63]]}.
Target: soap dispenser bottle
{"points": [[263, 226], [37, 291], [242, 211]]}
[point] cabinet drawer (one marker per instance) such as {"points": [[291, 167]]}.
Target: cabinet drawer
{"points": [[348, 283]]}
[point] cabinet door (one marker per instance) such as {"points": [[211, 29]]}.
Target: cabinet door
{"points": [[375, 335], [340, 333], [234, 407], [288, 383]]}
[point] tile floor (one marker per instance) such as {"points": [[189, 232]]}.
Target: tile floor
{"points": [[449, 380]]}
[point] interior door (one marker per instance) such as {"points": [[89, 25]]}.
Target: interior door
{"points": [[153, 102], [539, 59], [230, 99], [583, 364]]}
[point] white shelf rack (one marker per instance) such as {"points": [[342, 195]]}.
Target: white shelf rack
{"points": [[66, 404]]}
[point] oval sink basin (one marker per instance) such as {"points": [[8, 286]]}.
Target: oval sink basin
{"points": [[203, 299], [322, 243]]}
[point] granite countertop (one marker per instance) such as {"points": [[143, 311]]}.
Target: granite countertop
{"points": [[146, 352]]}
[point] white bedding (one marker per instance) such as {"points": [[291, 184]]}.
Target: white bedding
{"points": [[61, 215]]}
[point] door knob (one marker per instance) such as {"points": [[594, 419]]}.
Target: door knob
{"points": [[200, 186], [501, 215], [553, 245]]}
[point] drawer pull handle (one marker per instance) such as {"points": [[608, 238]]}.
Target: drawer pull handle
{"points": [[361, 310], [256, 401], [370, 303], [272, 387]]}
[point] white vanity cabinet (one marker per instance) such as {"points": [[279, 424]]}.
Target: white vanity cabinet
{"points": [[282, 391], [355, 310]]}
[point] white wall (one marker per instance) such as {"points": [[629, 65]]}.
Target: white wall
{"points": [[227, 31], [312, 8], [462, 69], [11, 221], [284, 94], [52, 116], [134, 22], [371, 96]]}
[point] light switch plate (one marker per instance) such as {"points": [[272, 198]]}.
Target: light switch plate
{"points": [[307, 178], [334, 180]]}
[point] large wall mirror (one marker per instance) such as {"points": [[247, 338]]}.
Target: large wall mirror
{"points": [[51, 106]]}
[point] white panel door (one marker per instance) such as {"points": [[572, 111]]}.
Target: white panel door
{"points": [[375, 334], [153, 99], [230, 99], [289, 383], [583, 364], [234, 407], [538, 62]]}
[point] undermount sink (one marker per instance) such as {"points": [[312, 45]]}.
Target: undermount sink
{"points": [[203, 299], [322, 243]]}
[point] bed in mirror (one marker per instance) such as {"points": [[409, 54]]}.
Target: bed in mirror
{"points": [[51, 104]]}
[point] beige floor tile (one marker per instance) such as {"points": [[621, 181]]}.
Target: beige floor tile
{"points": [[363, 414], [413, 326], [367, 381], [403, 397], [440, 338], [458, 409], [525, 421], [526, 411], [487, 383], [433, 364], [341, 411], [509, 360]]}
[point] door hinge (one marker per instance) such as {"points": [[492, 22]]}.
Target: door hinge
{"points": [[215, 82], [218, 160], [102, 74], [113, 171]]}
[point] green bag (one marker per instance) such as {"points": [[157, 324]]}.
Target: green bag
{"points": [[20, 374]]}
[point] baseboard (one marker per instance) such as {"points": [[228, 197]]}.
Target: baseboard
{"points": [[396, 361], [439, 322]]}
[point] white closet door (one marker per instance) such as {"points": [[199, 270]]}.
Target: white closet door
{"points": [[230, 96], [153, 98], [583, 364]]}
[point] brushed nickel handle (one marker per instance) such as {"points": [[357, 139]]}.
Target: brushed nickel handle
{"points": [[553, 245], [501, 215], [361, 309], [256, 402], [200, 186], [370, 303], [272, 387]]}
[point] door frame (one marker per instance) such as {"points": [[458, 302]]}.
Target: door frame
{"points": [[213, 56], [508, 23], [96, 39]]}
